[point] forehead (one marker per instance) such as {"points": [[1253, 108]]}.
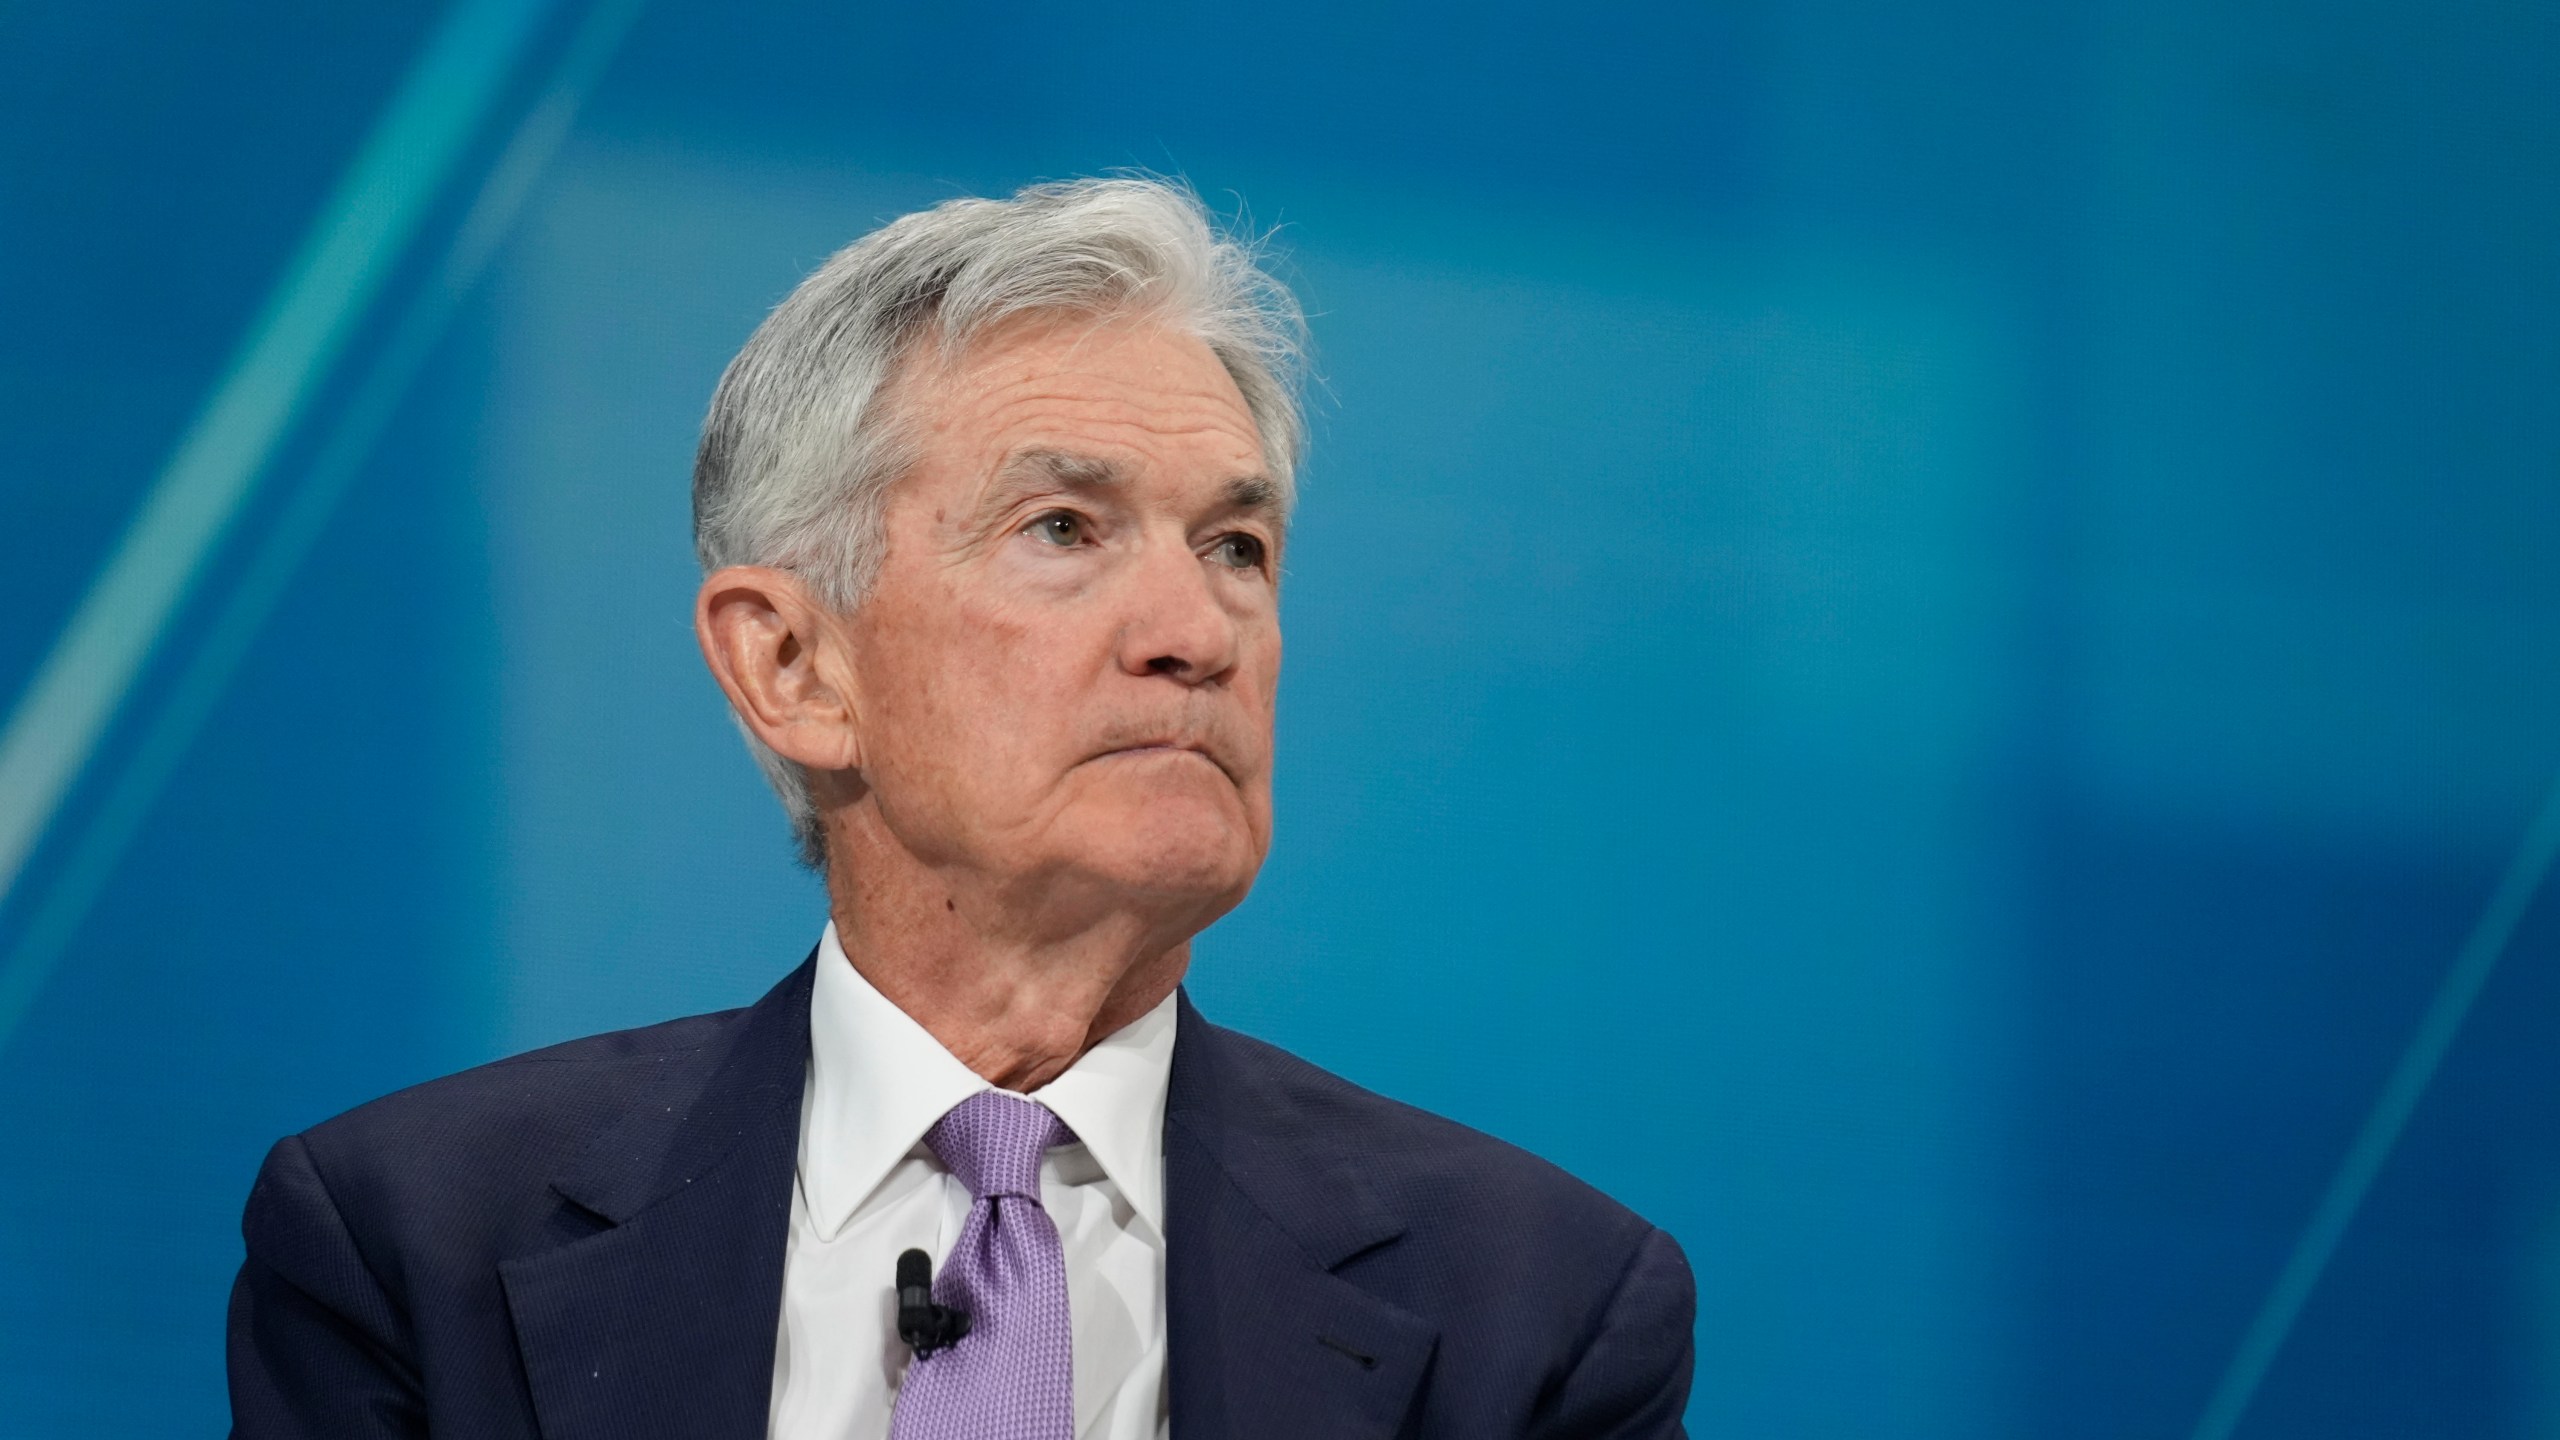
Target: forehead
{"points": [[1133, 391]]}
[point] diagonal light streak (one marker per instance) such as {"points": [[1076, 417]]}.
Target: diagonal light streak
{"points": [[354, 244], [2380, 1133], [350, 438]]}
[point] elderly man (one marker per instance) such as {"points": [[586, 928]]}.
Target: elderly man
{"points": [[992, 508]]}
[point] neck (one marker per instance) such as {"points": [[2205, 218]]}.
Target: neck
{"points": [[1017, 985]]}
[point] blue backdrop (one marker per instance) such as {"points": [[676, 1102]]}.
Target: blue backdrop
{"points": [[1922, 638]]}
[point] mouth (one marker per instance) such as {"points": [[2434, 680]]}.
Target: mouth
{"points": [[1164, 748]]}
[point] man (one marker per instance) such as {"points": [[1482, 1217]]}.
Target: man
{"points": [[992, 509]]}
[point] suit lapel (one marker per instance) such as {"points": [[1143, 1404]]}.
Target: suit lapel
{"points": [[663, 1322], [1265, 1339]]}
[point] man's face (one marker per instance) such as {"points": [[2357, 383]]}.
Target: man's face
{"points": [[1064, 672]]}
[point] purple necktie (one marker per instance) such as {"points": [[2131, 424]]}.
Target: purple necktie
{"points": [[1012, 1377]]}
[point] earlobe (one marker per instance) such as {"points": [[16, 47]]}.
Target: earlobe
{"points": [[776, 654]]}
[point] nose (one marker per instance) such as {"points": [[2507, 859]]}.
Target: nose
{"points": [[1175, 625]]}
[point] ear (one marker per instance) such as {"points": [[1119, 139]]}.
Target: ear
{"points": [[779, 655]]}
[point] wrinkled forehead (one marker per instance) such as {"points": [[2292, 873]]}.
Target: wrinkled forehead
{"points": [[1115, 403], [1084, 395]]}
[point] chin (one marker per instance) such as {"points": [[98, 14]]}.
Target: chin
{"points": [[1176, 847]]}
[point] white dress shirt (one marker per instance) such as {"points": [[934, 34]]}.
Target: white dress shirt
{"points": [[869, 1188]]}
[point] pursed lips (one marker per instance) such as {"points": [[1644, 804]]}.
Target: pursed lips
{"points": [[1164, 747]]}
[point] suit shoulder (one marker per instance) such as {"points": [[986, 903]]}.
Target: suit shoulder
{"points": [[493, 1119], [1421, 1157]]}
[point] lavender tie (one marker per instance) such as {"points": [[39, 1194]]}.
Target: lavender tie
{"points": [[1012, 1376]]}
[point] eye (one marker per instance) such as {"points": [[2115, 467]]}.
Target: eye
{"points": [[1059, 528], [1238, 552]]}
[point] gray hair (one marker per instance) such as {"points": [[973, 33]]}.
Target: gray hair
{"points": [[797, 453]]}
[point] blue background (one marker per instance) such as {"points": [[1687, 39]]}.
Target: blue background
{"points": [[1916, 635]]}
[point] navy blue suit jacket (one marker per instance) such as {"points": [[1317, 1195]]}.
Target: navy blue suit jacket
{"points": [[586, 1243]]}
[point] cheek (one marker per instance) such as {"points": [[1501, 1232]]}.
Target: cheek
{"points": [[1258, 687], [971, 697]]}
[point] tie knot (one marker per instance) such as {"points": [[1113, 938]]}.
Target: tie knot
{"points": [[993, 1142]]}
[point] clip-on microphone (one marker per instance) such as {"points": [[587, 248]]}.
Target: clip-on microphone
{"points": [[921, 1323]]}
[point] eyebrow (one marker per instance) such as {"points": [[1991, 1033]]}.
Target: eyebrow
{"points": [[1034, 470], [1030, 472], [1253, 492], [1060, 467]]}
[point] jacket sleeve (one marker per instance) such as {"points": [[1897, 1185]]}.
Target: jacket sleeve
{"points": [[1631, 1381], [317, 1346]]}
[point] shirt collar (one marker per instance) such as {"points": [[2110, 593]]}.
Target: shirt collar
{"points": [[878, 1081]]}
